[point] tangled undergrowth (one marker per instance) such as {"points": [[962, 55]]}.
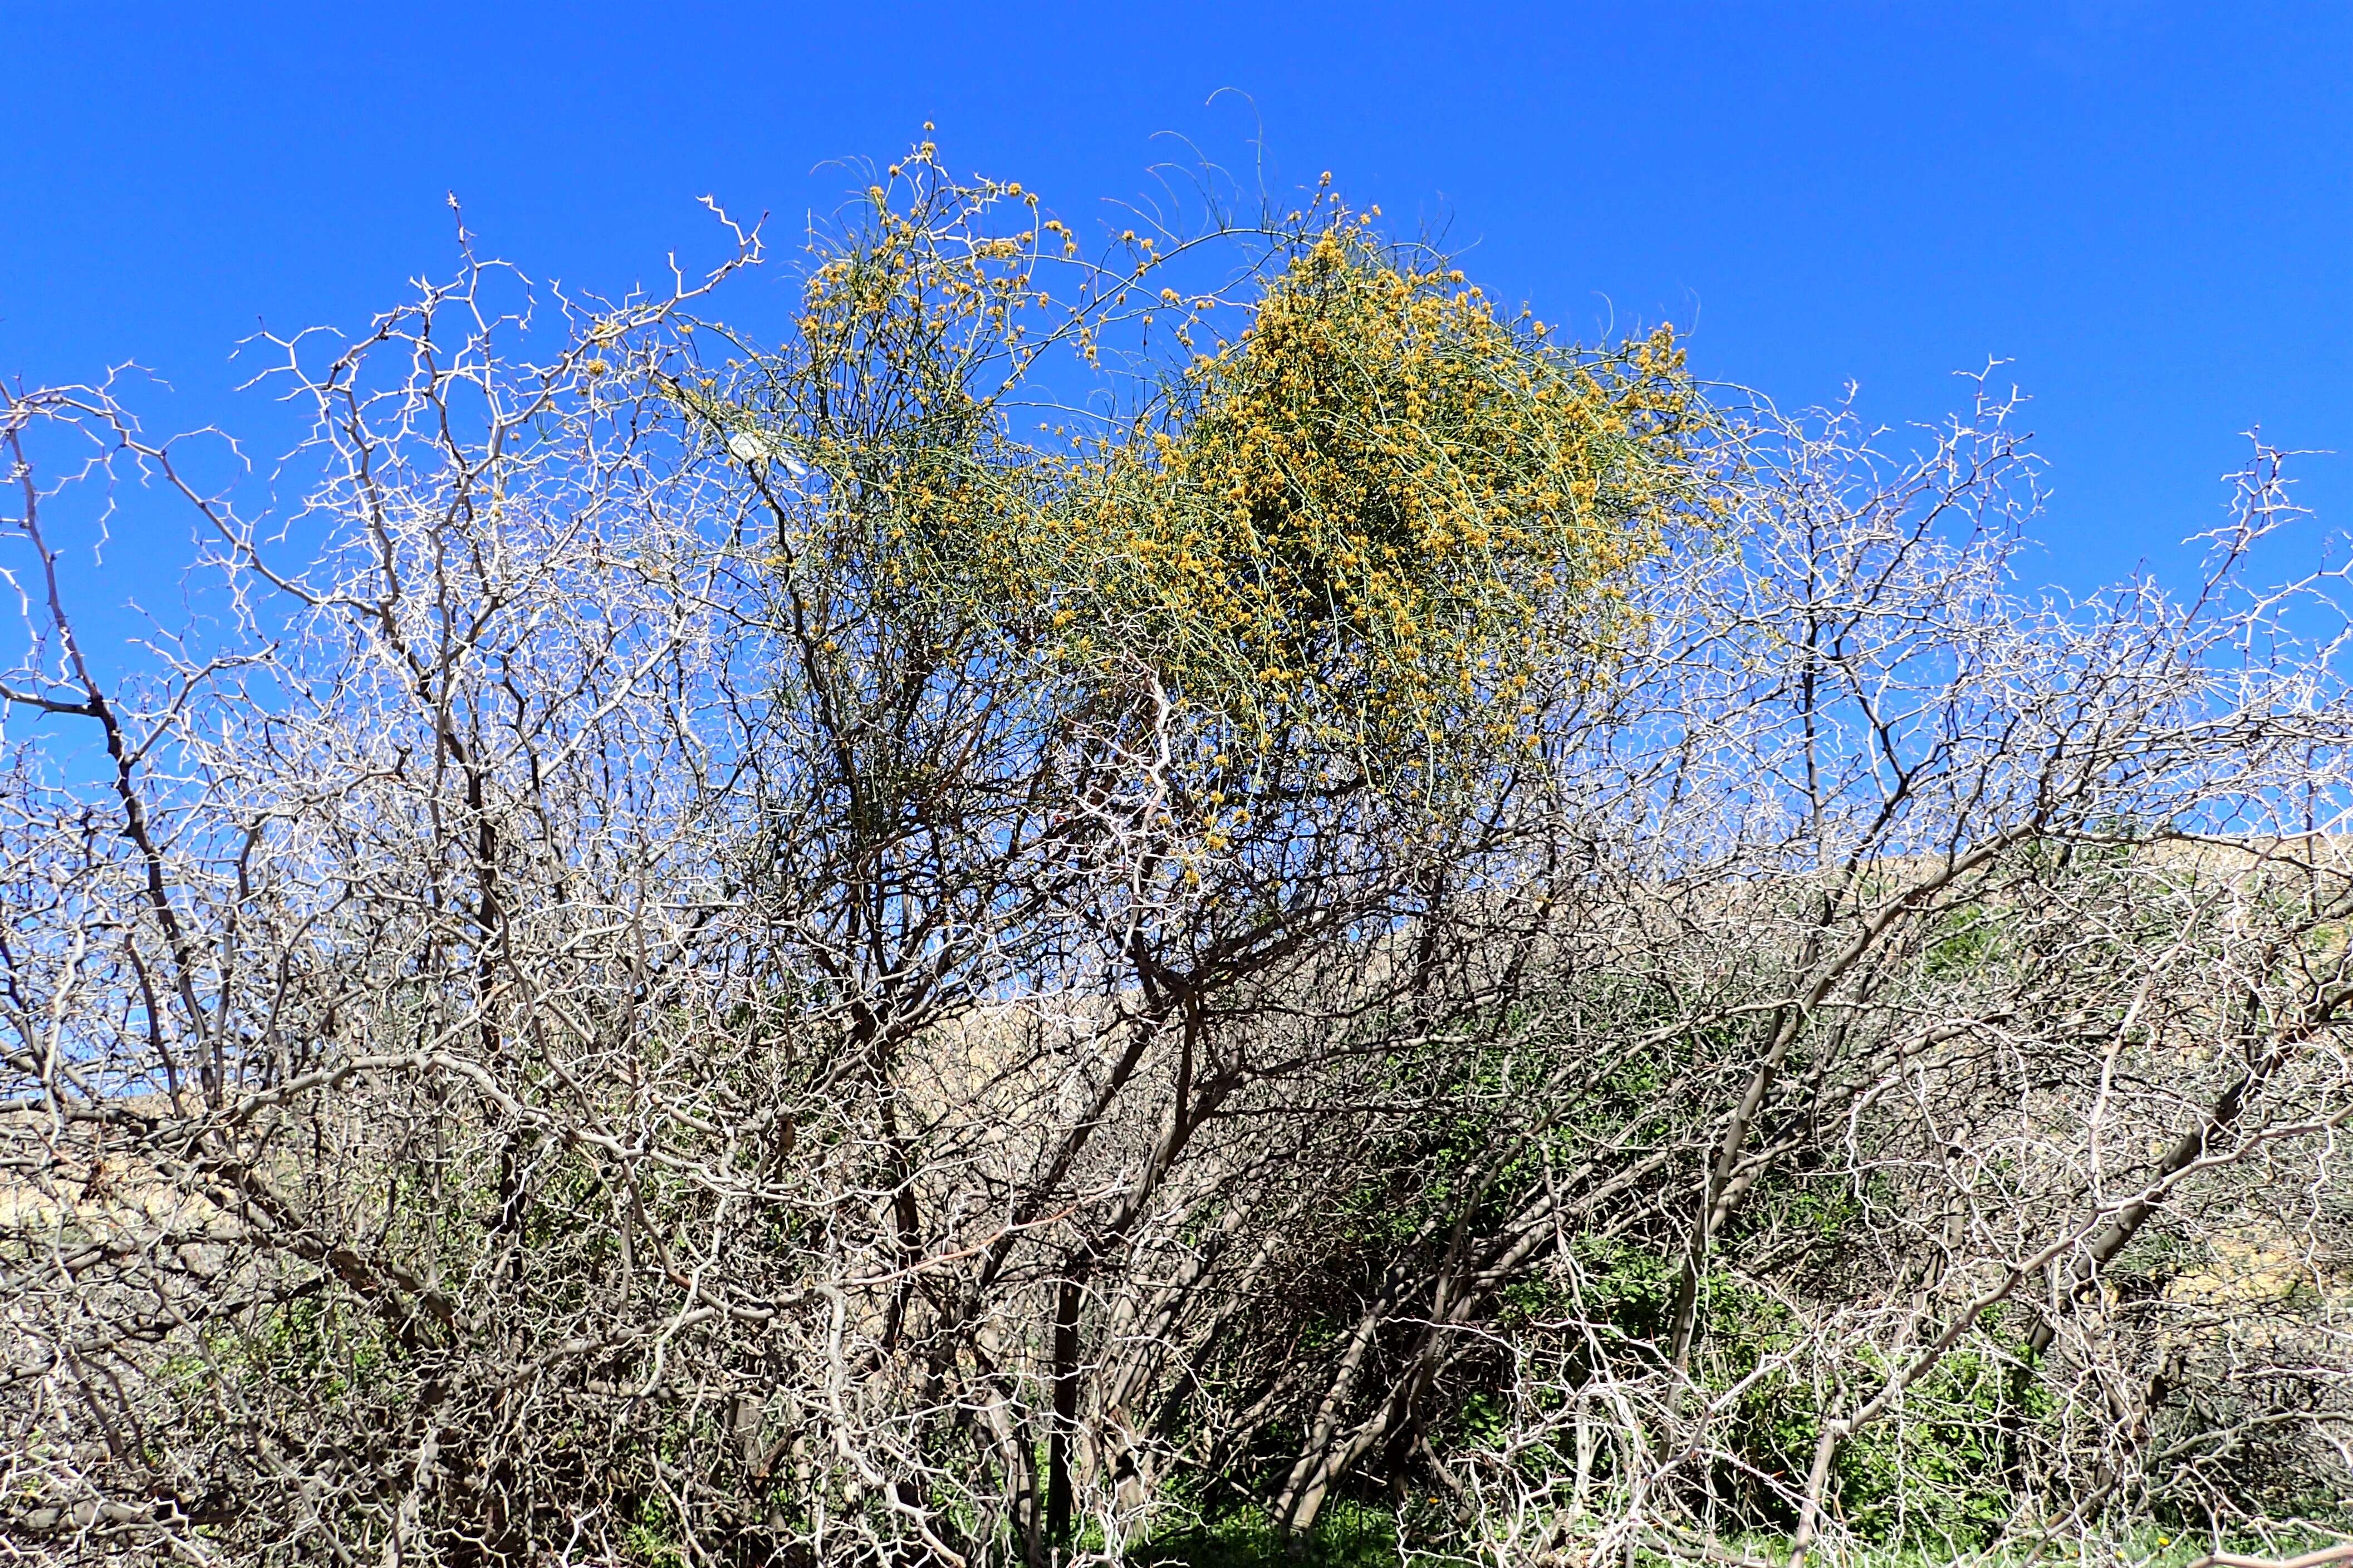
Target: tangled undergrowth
{"points": [[1204, 900]]}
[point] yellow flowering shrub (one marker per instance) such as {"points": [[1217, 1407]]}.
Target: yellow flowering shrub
{"points": [[1381, 510], [1372, 535], [912, 327]]}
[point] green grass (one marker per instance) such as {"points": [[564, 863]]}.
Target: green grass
{"points": [[1349, 1535], [1353, 1535]]}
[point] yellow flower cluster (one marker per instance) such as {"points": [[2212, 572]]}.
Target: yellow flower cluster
{"points": [[1376, 523], [1380, 510], [914, 323]]}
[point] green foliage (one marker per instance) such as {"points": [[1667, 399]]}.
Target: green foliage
{"points": [[1348, 1535]]}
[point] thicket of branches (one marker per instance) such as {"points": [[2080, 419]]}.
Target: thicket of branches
{"points": [[756, 960]]}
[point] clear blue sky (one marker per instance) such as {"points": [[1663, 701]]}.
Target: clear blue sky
{"points": [[2148, 207]]}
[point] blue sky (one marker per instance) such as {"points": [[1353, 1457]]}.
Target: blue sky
{"points": [[2148, 207]]}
